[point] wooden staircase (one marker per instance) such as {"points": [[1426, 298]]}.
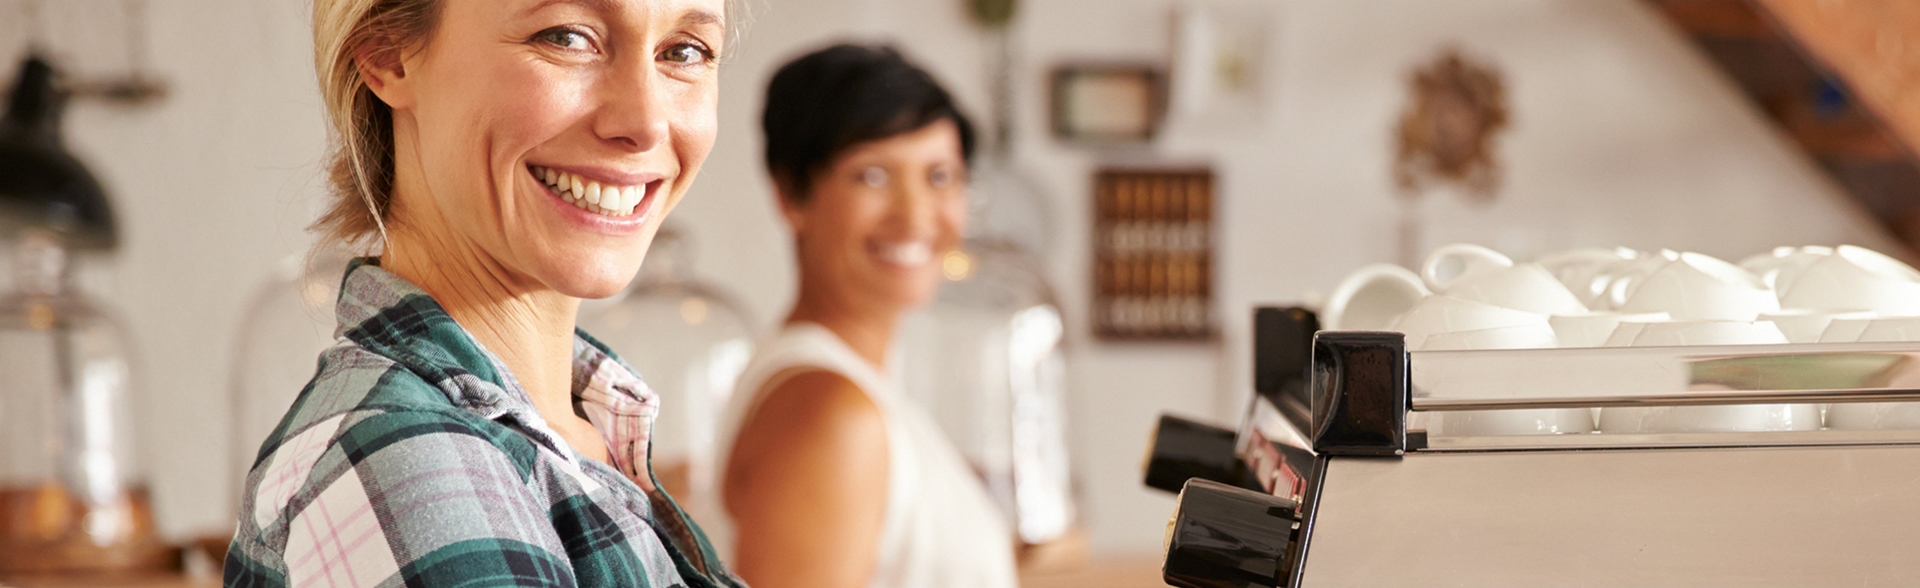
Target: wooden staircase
{"points": [[1841, 77]]}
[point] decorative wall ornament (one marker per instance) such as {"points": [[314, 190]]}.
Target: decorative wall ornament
{"points": [[1153, 254], [1217, 71], [993, 14], [1107, 104], [1446, 135]]}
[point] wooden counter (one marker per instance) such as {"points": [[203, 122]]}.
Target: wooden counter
{"points": [[1134, 572]]}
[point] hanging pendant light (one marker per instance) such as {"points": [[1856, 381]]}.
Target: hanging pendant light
{"points": [[41, 183]]}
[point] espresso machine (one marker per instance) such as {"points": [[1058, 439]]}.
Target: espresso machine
{"points": [[1333, 479]]}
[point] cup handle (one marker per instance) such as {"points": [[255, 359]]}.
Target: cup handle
{"points": [[1471, 258], [1622, 287]]}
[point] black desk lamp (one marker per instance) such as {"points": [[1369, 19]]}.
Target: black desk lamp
{"points": [[41, 184]]}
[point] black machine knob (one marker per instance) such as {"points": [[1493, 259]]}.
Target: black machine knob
{"points": [[1184, 449], [1227, 537]]}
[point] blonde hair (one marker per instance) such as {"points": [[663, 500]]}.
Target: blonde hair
{"points": [[360, 164]]}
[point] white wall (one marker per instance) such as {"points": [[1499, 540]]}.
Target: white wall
{"points": [[1621, 135]]}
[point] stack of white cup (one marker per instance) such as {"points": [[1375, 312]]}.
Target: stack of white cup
{"points": [[1471, 297], [1850, 294]]}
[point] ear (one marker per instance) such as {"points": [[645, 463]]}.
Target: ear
{"points": [[384, 69], [790, 207]]}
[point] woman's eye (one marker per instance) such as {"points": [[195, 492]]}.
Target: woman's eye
{"points": [[568, 39], [873, 177], [687, 54], [939, 177]]}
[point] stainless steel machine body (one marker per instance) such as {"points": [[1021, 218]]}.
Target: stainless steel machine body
{"points": [[1383, 504]]}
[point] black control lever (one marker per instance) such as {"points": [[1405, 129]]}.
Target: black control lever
{"points": [[1227, 537], [1184, 449]]}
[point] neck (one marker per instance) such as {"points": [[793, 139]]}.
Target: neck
{"points": [[527, 326], [869, 332]]}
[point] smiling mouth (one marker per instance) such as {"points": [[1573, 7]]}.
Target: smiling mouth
{"points": [[908, 254], [593, 196]]}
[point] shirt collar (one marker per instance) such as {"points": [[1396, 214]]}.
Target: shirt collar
{"points": [[392, 317]]}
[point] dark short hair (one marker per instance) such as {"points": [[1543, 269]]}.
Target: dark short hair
{"points": [[830, 100]]}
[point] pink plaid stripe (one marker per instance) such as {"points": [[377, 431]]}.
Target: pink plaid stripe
{"points": [[622, 408], [344, 548], [292, 463]]}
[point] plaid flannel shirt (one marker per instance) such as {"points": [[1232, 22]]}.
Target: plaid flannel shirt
{"points": [[413, 458]]}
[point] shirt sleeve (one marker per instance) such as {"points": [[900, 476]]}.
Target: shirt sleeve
{"points": [[423, 498]]}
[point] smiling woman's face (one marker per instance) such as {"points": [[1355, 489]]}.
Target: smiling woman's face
{"points": [[880, 217], [551, 137]]}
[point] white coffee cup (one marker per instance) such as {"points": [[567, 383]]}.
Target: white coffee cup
{"points": [[1532, 336], [1698, 287], [1614, 283], [1577, 268], [1856, 278], [1691, 419], [1805, 326], [1594, 328], [1779, 267], [1856, 416], [1844, 330], [1689, 333], [1624, 334], [1710, 419], [1447, 263], [1446, 314], [1371, 298], [1484, 275], [1890, 330], [1873, 416], [1480, 423]]}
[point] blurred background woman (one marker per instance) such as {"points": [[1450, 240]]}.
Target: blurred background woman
{"points": [[508, 158], [835, 479]]}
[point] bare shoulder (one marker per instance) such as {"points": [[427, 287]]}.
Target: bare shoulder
{"points": [[818, 417], [807, 484]]}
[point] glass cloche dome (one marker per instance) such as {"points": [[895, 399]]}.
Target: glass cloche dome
{"points": [[690, 341], [288, 322], [985, 359], [73, 493]]}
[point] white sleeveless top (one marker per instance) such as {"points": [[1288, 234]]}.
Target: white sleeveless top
{"points": [[940, 529]]}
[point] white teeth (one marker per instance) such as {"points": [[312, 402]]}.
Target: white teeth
{"points": [[906, 254], [590, 195]]}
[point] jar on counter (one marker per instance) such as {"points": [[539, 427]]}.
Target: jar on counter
{"points": [[289, 321], [74, 497], [985, 358]]}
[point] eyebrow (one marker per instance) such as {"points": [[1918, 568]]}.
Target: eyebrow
{"points": [[693, 17], [697, 17], [601, 6]]}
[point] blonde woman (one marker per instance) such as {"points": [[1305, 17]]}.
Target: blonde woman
{"points": [[509, 158]]}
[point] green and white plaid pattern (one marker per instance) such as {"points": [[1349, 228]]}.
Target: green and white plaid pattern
{"points": [[414, 458]]}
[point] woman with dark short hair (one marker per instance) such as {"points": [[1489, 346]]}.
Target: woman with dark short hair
{"points": [[834, 478]]}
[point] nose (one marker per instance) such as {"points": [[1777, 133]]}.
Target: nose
{"points": [[633, 113], [914, 208]]}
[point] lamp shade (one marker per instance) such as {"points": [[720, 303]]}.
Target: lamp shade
{"points": [[41, 184]]}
